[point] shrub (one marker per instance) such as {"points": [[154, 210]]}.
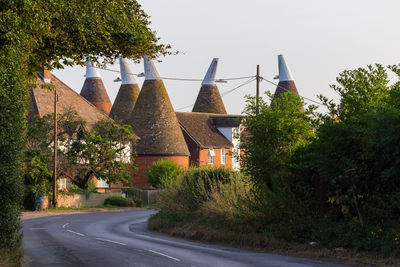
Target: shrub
{"points": [[119, 201], [138, 202], [193, 187], [162, 172]]}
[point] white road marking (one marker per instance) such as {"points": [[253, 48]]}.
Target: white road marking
{"points": [[75, 233], [65, 225], [38, 228], [111, 241], [162, 254]]}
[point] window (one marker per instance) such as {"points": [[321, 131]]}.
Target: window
{"points": [[102, 184], [211, 155], [63, 183], [222, 155]]}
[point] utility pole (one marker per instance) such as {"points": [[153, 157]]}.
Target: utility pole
{"points": [[55, 151], [257, 84]]}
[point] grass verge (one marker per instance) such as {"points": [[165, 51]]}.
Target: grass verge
{"points": [[205, 230], [11, 258], [86, 208]]}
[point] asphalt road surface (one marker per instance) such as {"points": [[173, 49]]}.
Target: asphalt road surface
{"points": [[120, 239]]}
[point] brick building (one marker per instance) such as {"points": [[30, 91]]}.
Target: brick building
{"points": [[205, 137], [154, 121], [42, 103], [211, 138]]}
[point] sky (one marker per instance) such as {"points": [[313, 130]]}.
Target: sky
{"points": [[319, 39]]}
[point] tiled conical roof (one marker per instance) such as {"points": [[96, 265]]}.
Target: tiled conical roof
{"points": [[209, 99], [286, 81], [94, 91], [153, 118], [127, 94]]}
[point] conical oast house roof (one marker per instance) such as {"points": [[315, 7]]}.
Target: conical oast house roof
{"points": [[209, 99], [93, 89], [286, 81], [153, 118], [127, 95]]}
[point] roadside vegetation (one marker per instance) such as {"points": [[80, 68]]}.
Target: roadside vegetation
{"points": [[325, 182], [40, 33], [163, 172], [104, 151]]}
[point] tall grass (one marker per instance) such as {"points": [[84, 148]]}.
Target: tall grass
{"points": [[215, 193]]}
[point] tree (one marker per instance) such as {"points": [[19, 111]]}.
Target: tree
{"points": [[361, 90], [50, 33], [104, 150], [273, 133], [349, 175]]}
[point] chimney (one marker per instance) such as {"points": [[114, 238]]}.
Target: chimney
{"points": [[46, 75]]}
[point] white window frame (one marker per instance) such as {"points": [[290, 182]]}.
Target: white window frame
{"points": [[211, 155], [63, 183], [102, 184], [223, 156]]}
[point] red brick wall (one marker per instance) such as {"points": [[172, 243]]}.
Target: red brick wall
{"points": [[193, 149], [143, 164], [217, 158]]}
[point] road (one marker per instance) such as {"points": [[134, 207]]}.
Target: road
{"points": [[121, 239]]}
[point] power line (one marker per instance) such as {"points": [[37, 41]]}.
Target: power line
{"points": [[252, 78], [237, 87], [277, 85], [226, 92], [180, 79]]}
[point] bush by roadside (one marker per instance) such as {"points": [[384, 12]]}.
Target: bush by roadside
{"points": [[123, 202], [163, 172], [119, 201]]}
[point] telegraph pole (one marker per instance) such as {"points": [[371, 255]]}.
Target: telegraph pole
{"points": [[257, 84], [55, 151]]}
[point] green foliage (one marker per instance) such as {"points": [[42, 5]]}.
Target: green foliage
{"points": [[100, 151], [274, 132], [38, 33], [163, 172], [119, 201], [12, 131], [349, 175], [89, 189], [361, 90], [332, 179], [194, 187], [38, 175], [106, 152]]}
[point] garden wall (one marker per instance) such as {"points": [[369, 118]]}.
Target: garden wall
{"points": [[79, 200]]}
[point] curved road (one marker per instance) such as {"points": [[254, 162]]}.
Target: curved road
{"points": [[121, 239]]}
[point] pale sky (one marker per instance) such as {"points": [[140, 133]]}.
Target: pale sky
{"points": [[319, 39]]}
